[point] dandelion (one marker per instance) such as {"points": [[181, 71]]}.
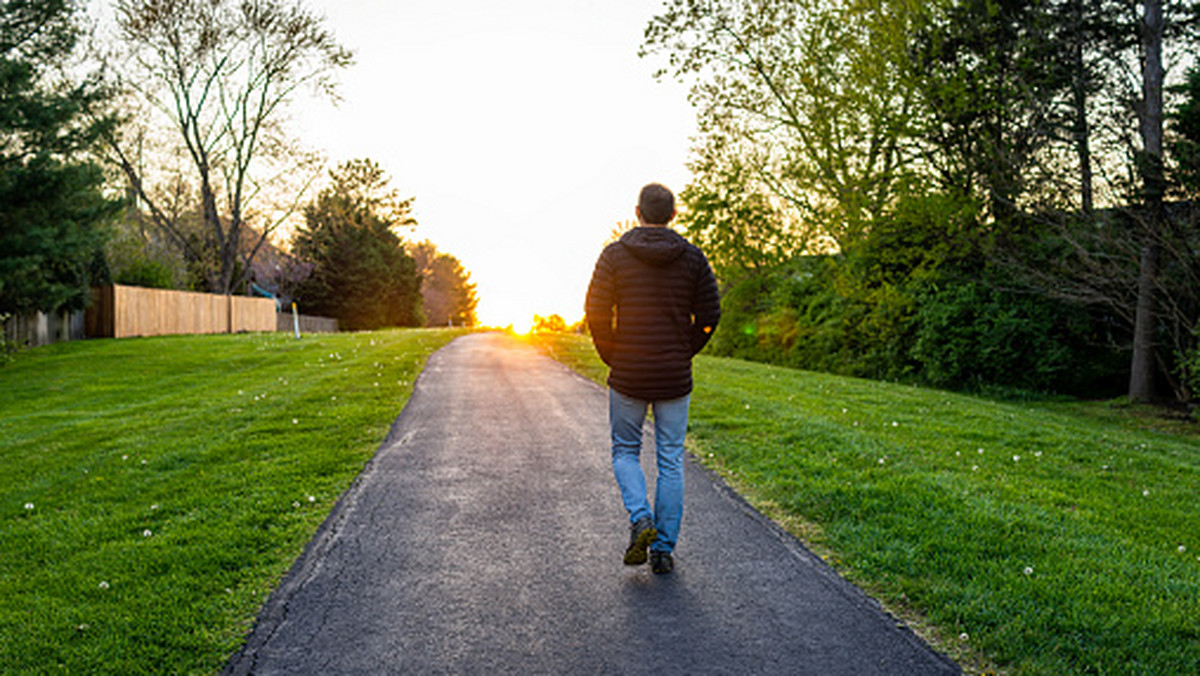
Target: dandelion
{"points": [[28, 505], [103, 584], [1028, 570], [376, 384], [747, 407], [963, 636], [147, 533]]}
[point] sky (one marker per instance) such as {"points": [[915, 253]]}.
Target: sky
{"points": [[524, 129]]}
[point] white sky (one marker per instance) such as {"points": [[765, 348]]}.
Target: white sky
{"points": [[523, 128]]}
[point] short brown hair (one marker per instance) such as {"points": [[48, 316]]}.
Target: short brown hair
{"points": [[657, 204]]}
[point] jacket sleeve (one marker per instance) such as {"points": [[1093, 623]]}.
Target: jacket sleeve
{"points": [[601, 298], [706, 305]]}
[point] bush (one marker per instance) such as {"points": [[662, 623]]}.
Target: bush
{"points": [[146, 273]]}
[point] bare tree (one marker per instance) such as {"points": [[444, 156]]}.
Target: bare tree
{"points": [[218, 74]]}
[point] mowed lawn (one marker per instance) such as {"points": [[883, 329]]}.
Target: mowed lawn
{"points": [[1036, 538], [153, 491]]}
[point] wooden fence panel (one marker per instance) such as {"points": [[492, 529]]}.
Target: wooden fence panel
{"points": [[248, 314], [308, 323], [43, 329], [124, 311]]}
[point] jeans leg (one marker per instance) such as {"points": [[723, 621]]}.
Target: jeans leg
{"points": [[670, 429], [625, 418]]}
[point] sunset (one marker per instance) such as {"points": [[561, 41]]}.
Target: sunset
{"points": [[524, 131]]}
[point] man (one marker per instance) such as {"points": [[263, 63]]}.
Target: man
{"points": [[651, 306]]}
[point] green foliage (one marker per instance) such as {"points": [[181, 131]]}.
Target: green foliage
{"points": [[918, 300], [1041, 538], [990, 69], [361, 274], [725, 213], [147, 273], [51, 209], [810, 102], [973, 335], [1185, 123], [136, 256]]}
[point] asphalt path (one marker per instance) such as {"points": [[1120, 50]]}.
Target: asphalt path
{"points": [[486, 537]]}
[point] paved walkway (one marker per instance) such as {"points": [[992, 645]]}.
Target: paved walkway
{"points": [[486, 538]]}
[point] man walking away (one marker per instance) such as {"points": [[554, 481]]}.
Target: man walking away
{"points": [[651, 306]]}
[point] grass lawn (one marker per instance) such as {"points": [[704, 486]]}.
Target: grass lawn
{"points": [[1035, 538], [153, 491]]}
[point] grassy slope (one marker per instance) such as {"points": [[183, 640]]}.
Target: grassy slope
{"points": [[153, 491], [1048, 541]]}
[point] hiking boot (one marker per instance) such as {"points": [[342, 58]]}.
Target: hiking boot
{"points": [[661, 562], [641, 534]]}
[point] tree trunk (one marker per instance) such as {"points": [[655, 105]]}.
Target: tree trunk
{"points": [[1141, 375], [1081, 131]]}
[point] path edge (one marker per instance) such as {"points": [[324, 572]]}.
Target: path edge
{"points": [[274, 611]]}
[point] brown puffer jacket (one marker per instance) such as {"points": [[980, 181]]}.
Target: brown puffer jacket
{"points": [[651, 306]]}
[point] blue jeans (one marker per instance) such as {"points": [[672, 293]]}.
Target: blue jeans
{"points": [[625, 418]]}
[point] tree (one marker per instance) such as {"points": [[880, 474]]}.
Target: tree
{"points": [[52, 209], [741, 228], [550, 324], [361, 274], [813, 100], [991, 79], [219, 74], [1141, 372], [448, 296]]}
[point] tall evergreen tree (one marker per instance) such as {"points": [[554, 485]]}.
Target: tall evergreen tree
{"points": [[447, 293], [361, 272], [51, 208]]}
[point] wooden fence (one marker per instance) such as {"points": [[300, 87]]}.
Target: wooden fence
{"points": [[43, 329], [123, 311], [308, 323]]}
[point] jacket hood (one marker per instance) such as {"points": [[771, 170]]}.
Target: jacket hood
{"points": [[654, 245]]}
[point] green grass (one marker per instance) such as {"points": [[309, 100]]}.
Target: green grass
{"points": [[1039, 538], [154, 491]]}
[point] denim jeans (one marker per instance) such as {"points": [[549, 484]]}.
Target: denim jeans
{"points": [[625, 417]]}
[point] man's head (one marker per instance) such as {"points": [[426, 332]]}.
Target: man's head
{"points": [[656, 205]]}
